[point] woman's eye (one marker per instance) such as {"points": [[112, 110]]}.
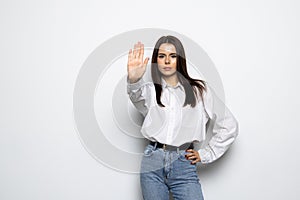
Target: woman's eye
{"points": [[173, 56], [161, 56]]}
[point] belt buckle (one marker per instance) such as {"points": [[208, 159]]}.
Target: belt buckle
{"points": [[164, 147]]}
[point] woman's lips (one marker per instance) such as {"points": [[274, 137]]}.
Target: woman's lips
{"points": [[167, 68]]}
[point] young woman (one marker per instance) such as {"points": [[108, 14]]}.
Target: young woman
{"points": [[176, 108]]}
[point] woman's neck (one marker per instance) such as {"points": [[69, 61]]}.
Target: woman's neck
{"points": [[171, 80]]}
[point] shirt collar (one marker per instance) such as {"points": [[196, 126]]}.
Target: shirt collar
{"points": [[164, 84]]}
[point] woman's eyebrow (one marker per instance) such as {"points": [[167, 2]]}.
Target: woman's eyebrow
{"points": [[165, 54]]}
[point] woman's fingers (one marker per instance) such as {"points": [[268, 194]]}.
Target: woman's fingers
{"points": [[136, 64], [146, 61], [193, 155], [141, 56], [137, 53], [138, 50], [134, 51], [137, 47], [130, 55], [195, 161]]}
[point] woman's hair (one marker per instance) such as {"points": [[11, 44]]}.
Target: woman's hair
{"points": [[192, 87]]}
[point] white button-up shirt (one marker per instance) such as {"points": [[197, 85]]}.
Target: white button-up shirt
{"points": [[176, 125]]}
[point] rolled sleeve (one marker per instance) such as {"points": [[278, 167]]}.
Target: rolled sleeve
{"points": [[134, 86]]}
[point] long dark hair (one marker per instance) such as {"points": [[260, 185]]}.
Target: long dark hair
{"points": [[193, 87]]}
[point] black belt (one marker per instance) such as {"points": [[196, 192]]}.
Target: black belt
{"points": [[172, 148]]}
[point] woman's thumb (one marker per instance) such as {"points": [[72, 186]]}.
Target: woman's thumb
{"points": [[146, 61]]}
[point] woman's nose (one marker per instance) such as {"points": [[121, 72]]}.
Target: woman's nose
{"points": [[167, 61]]}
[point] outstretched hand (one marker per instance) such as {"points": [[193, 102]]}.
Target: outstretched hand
{"points": [[136, 66]]}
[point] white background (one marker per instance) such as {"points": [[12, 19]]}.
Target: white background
{"points": [[254, 45]]}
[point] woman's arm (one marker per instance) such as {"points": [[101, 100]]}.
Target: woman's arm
{"points": [[140, 94], [225, 128], [139, 91]]}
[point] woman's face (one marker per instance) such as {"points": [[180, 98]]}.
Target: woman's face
{"points": [[167, 59]]}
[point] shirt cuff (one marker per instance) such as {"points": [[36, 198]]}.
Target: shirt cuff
{"points": [[136, 85], [204, 156]]}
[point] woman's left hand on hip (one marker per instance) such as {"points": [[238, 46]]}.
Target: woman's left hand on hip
{"points": [[193, 155]]}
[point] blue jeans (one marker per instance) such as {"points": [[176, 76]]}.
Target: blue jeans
{"points": [[163, 171]]}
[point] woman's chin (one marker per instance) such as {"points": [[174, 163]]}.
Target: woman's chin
{"points": [[168, 74]]}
